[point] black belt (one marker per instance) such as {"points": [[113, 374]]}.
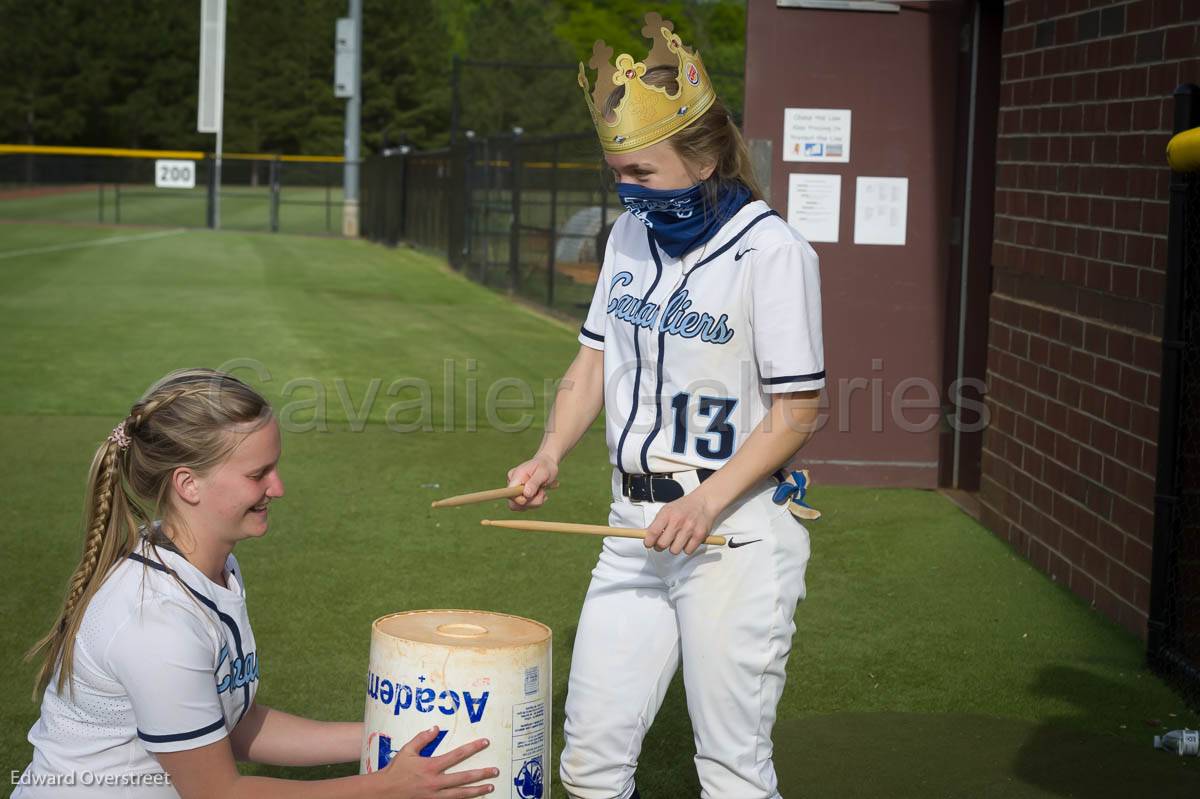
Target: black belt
{"points": [[664, 487]]}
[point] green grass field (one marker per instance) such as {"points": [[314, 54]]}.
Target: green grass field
{"points": [[301, 209], [929, 661]]}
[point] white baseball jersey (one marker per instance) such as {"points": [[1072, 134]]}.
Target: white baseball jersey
{"points": [[694, 347], [158, 667]]}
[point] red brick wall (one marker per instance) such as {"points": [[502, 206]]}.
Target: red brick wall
{"points": [[1076, 310]]}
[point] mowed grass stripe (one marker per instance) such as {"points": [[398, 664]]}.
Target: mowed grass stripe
{"points": [[101, 242], [303, 309]]}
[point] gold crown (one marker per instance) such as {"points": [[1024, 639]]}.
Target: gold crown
{"points": [[646, 114]]}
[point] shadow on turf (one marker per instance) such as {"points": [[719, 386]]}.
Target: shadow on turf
{"points": [[923, 755], [1070, 755], [949, 755]]}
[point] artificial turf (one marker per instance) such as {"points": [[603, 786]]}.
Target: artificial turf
{"points": [[928, 661]]}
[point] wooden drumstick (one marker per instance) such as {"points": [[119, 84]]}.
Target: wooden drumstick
{"points": [[510, 492], [584, 529]]}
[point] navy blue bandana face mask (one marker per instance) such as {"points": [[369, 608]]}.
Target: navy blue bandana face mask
{"points": [[681, 219]]}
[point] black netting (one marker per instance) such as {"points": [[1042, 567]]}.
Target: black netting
{"points": [[1179, 653], [521, 214], [257, 193]]}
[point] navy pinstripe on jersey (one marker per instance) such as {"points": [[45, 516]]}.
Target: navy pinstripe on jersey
{"points": [[705, 339], [234, 633]]}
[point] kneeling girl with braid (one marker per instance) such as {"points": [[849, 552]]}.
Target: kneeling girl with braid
{"points": [[149, 672]]}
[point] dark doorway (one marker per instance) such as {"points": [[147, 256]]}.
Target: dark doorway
{"points": [[969, 276]]}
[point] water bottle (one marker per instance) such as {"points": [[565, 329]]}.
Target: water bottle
{"points": [[1183, 742]]}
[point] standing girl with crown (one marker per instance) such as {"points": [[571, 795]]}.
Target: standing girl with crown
{"points": [[149, 673], [703, 347]]}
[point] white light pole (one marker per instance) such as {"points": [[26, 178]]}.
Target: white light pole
{"points": [[210, 111]]}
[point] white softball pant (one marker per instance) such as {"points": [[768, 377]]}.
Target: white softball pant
{"points": [[727, 613]]}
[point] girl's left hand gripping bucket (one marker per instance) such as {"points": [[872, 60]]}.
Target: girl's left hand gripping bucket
{"points": [[474, 675]]}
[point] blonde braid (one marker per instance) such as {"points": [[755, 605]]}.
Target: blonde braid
{"points": [[108, 484], [107, 493], [140, 414], [94, 538]]}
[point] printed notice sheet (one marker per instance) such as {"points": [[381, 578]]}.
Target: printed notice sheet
{"points": [[814, 203], [880, 210]]}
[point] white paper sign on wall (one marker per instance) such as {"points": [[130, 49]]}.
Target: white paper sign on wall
{"points": [[816, 135], [814, 205], [880, 210]]}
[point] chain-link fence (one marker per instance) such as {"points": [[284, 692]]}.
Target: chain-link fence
{"points": [[1174, 626], [522, 214], [291, 194]]}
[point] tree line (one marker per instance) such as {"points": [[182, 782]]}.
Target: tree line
{"points": [[124, 73]]}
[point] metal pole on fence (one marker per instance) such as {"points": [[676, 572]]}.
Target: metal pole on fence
{"points": [[117, 203], [367, 211], [274, 181], [216, 183], [403, 232], [553, 226], [388, 205], [100, 189], [485, 263], [1166, 491], [455, 76], [446, 208], [468, 163], [209, 219], [514, 236]]}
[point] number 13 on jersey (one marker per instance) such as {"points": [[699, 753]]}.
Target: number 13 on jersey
{"points": [[716, 442]]}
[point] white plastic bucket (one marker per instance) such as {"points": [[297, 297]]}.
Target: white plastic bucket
{"points": [[474, 675]]}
